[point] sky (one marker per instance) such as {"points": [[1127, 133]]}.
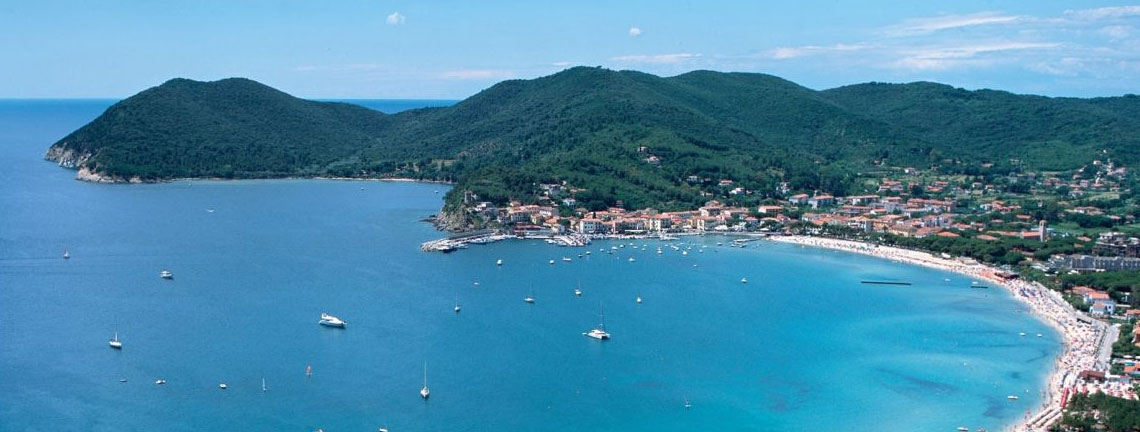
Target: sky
{"points": [[427, 49]]}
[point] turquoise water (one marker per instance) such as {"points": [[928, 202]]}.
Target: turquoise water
{"points": [[802, 346]]}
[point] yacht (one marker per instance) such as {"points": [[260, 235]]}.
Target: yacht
{"points": [[599, 332], [116, 343], [499, 262], [551, 262], [577, 291], [263, 387], [159, 381], [1011, 397], [639, 299], [457, 303], [744, 280], [424, 392], [222, 386], [332, 321], [631, 259], [566, 259], [1021, 334], [688, 404], [1038, 334], [529, 298], [66, 255], [166, 274]]}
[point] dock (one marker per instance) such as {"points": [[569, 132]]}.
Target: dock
{"points": [[871, 282], [460, 241]]}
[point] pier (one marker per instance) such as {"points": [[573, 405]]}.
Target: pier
{"points": [[461, 240], [871, 282]]}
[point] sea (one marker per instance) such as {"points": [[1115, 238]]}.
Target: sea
{"points": [[802, 346]]}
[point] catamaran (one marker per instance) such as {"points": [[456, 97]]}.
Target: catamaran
{"points": [[599, 332], [424, 392], [116, 343], [331, 321]]}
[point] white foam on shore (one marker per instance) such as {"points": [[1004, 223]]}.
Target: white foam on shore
{"points": [[1081, 340]]}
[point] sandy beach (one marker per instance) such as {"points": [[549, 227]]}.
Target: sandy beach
{"points": [[1084, 338]]}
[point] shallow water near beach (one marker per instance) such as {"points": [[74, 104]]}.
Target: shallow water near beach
{"points": [[802, 346]]}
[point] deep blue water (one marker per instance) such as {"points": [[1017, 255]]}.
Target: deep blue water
{"points": [[802, 346]]}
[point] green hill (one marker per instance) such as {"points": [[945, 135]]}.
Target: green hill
{"points": [[595, 129]]}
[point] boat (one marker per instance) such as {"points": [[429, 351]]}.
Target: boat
{"points": [[457, 303], [599, 332], [166, 274], [744, 280], [639, 298], [963, 429], [578, 291], [631, 259], [1038, 334], [684, 252], [66, 255], [263, 388], [688, 404], [551, 262], [383, 429], [331, 321], [1011, 397], [222, 386], [309, 370], [115, 342], [529, 297], [122, 380], [587, 252], [566, 259], [1021, 334], [499, 262], [159, 381], [424, 392]]}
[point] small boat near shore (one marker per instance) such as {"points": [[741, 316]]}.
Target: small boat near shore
{"points": [[332, 321]]}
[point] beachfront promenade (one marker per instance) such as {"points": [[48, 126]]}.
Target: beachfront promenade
{"points": [[1087, 342]]}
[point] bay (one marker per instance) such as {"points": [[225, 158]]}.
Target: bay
{"points": [[802, 346]]}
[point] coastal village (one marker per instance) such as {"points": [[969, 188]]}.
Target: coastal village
{"points": [[1066, 243]]}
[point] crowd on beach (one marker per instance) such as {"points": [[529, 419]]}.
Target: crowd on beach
{"points": [[1085, 346]]}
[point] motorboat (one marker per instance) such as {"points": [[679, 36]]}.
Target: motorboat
{"points": [[166, 274], [222, 386], [499, 262], [332, 321]]}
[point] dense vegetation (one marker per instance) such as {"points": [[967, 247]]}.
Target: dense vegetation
{"points": [[1095, 412], [596, 128]]}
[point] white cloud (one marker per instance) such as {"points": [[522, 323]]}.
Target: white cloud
{"points": [[1116, 32], [656, 58], [1103, 13], [395, 18], [477, 74], [563, 63], [635, 31], [782, 53], [946, 57], [917, 26]]}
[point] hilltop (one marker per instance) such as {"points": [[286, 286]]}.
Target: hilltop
{"points": [[646, 140]]}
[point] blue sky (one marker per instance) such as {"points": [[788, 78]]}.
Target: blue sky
{"points": [[445, 49]]}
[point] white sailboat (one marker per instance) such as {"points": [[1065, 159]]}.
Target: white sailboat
{"points": [[457, 303], [638, 298], [115, 342], [263, 387], [66, 255], [424, 392], [599, 332], [166, 274], [499, 262], [529, 297]]}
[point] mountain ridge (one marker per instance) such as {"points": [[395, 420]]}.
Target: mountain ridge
{"points": [[618, 135]]}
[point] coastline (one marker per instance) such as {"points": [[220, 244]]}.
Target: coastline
{"points": [[1081, 338]]}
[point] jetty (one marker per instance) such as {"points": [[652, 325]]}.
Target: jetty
{"points": [[872, 282], [460, 241]]}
